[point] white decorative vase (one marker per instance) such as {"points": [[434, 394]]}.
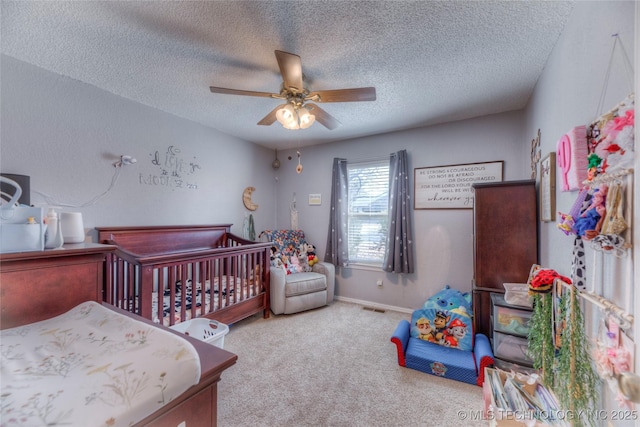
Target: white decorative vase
{"points": [[72, 227]]}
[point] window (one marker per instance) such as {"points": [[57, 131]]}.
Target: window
{"points": [[368, 211]]}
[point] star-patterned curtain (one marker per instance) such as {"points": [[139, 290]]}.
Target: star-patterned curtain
{"points": [[398, 256], [337, 251]]}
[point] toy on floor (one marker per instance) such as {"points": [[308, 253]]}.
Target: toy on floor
{"points": [[440, 339]]}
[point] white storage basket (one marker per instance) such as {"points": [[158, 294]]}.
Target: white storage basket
{"points": [[207, 330]]}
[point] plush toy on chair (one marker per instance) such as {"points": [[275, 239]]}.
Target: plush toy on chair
{"points": [[294, 284], [440, 339]]}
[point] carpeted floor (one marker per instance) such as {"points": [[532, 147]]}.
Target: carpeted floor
{"points": [[333, 366]]}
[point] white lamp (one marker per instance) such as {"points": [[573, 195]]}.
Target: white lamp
{"points": [[291, 117]]}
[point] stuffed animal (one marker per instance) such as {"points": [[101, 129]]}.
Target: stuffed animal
{"points": [[274, 254], [310, 252], [294, 264], [276, 259], [303, 262], [448, 299]]}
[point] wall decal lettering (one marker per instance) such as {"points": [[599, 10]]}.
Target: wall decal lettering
{"points": [[173, 170]]}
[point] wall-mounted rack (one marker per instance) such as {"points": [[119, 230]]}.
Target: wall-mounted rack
{"points": [[624, 318]]}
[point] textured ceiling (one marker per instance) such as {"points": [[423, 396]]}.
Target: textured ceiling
{"points": [[430, 61]]}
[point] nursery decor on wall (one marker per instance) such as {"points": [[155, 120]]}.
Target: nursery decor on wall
{"points": [[535, 155], [597, 215], [610, 140], [450, 187], [246, 199], [572, 158], [548, 188], [173, 170]]}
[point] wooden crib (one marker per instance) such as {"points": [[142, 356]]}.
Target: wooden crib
{"points": [[170, 274]]}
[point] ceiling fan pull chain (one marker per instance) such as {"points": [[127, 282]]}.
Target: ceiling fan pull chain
{"points": [[299, 167]]}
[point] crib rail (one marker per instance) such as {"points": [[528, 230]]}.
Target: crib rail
{"points": [[170, 287]]}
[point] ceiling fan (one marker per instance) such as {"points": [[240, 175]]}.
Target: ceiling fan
{"points": [[298, 112]]}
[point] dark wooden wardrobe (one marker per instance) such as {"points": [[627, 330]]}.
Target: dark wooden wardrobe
{"points": [[505, 236]]}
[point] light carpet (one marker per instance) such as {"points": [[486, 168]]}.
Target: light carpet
{"points": [[334, 366]]}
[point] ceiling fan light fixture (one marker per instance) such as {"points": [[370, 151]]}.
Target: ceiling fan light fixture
{"points": [[293, 114], [291, 125], [288, 117], [306, 119]]}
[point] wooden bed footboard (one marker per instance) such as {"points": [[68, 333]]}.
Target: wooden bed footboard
{"points": [[170, 274]]}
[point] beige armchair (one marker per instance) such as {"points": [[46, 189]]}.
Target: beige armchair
{"points": [[296, 292]]}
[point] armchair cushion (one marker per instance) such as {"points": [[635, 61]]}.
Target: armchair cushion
{"points": [[303, 283]]}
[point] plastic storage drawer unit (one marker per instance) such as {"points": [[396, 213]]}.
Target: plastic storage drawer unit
{"points": [[511, 320], [511, 348]]}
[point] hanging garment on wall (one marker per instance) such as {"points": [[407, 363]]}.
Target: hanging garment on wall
{"points": [[245, 226], [614, 222], [572, 153], [578, 266], [251, 229]]}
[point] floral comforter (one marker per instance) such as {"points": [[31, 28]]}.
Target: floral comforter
{"points": [[91, 366]]}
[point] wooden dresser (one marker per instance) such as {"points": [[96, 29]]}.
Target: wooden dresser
{"points": [[41, 284], [505, 234]]}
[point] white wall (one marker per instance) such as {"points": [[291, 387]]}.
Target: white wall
{"points": [[567, 95], [443, 238], [66, 135]]}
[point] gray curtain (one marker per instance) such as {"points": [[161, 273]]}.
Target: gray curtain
{"points": [[337, 251], [398, 257]]}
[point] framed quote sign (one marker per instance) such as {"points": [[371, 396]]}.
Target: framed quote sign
{"points": [[449, 187]]}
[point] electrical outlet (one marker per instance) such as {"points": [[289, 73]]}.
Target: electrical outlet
{"points": [[379, 283]]}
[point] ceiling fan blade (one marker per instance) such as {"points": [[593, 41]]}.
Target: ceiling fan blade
{"points": [[325, 119], [270, 118], [291, 70], [226, 91], [344, 95]]}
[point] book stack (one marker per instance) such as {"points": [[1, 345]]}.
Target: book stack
{"points": [[515, 399]]}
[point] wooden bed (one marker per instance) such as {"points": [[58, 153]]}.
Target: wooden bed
{"points": [[170, 274], [35, 286]]}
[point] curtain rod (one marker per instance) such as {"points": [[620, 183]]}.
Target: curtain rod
{"points": [[369, 159]]}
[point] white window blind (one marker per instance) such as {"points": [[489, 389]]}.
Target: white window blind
{"points": [[368, 211]]}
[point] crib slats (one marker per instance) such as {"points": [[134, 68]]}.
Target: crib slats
{"points": [[158, 287]]}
